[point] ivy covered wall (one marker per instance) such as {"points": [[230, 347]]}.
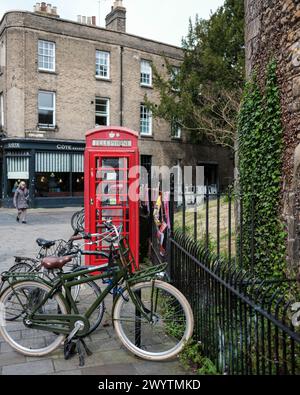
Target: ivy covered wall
{"points": [[260, 153], [272, 31]]}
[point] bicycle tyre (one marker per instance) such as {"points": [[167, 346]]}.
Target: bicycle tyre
{"points": [[21, 267], [124, 302], [16, 343], [75, 220], [80, 221]]}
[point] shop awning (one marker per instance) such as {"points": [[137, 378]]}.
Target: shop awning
{"points": [[47, 162]]}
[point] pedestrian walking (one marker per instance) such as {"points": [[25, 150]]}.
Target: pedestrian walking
{"points": [[21, 200]]}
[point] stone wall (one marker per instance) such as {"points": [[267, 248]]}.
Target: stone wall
{"points": [[273, 31]]}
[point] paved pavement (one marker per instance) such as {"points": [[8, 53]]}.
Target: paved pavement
{"points": [[109, 357]]}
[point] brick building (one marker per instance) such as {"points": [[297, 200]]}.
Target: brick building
{"points": [[60, 78]]}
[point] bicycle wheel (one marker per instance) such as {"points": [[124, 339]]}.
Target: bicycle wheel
{"points": [[80, 221], [74, 221], [21, 301], [77, 221], [163, 333], [86, 295]]}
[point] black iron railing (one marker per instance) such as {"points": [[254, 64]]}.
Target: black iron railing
{"points": [[243, 322], [244, 326]]}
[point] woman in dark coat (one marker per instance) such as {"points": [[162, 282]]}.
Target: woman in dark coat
{"points": [[21, 198]]}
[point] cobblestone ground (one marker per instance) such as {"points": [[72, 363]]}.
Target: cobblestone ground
{"points": [[109, 357]]}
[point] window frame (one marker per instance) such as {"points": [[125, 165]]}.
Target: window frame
{"points": [[149, 63], [175, 127], [150, 134], [98, 51], [43, 125], [50, 70], [107, 99], [174, 75]]}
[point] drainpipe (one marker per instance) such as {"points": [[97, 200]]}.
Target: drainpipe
{"points": [[121, 85]]}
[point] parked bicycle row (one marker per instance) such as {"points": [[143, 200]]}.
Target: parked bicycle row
{"points": [[52, 299]]}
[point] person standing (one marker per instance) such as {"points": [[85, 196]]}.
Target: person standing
{"points": [[21, 199]]}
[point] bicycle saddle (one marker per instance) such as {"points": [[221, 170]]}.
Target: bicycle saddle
{"points": [[45, 243], [53, 262]]}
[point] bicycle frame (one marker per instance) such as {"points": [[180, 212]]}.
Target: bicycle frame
{"points": [[66, 282]]}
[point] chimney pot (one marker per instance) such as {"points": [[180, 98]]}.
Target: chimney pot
{"points": [[83, 20], [118, 3], [94, 20], [54, 10], [43, 7], [116, 19], [89, 20], [79, 18]]}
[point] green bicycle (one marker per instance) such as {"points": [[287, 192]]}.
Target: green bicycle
{"points": [[151, 317]]}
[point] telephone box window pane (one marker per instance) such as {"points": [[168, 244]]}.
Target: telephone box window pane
{"points": [[112, 174]]}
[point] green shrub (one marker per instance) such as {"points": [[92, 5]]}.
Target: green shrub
{"points": [[192, 358]]}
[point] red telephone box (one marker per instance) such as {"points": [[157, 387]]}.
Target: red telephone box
{"points": [[112, 185]]}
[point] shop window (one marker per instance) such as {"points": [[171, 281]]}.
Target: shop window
{"points": [[77, 184], [12, 185]]}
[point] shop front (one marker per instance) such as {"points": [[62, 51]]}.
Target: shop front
{"points": [[53, 171]]}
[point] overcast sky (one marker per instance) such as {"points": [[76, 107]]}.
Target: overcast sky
{"points": [[162, 20]]}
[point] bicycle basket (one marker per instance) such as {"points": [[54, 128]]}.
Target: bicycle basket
{"points": [[126, 257]]}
